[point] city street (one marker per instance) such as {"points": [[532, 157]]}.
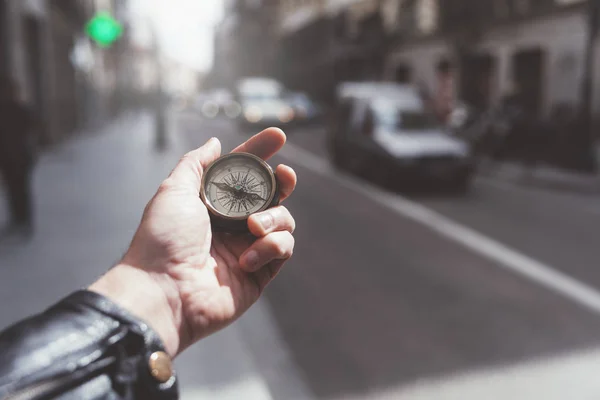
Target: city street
{"points": [[375, 298], [491, 295], [481, 285]]}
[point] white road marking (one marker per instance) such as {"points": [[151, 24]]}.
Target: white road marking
{"points": [[503, 255], [572, 376], [250, 389]]}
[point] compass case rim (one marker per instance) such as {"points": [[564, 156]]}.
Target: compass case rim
{"points": [[273, 195]]}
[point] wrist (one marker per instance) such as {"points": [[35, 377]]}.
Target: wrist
{"points": [[151, 297]]}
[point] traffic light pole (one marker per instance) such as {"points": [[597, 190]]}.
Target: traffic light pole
{"points": [[160, 142]]}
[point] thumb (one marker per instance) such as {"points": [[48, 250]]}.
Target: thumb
{"points": [[188, 171]]}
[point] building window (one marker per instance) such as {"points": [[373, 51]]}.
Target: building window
{"points": [[403, 74], [501, 9], [427, 14], [522, 6], [254, 3], [390, 10], [568, 2]]}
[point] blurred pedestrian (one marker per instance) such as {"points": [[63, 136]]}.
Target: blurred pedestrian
{"points": [[503, 132], [17, 156]]}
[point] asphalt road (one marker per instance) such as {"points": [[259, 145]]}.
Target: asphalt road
{"points": [[493, 295], [377, 298]]}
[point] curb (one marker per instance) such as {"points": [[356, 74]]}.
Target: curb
{"points": [[545, 178]]}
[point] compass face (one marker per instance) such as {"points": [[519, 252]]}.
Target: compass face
{"points": [[237, 185]]}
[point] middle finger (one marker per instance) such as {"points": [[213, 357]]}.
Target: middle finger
{"points": [[287, 180], [272, 220]]}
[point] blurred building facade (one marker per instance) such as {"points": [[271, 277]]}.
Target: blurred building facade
{"points": [[323, 42], [472, 50], [244, 42], [38, 40], [488, 49], [37, 36], [181, 79]]}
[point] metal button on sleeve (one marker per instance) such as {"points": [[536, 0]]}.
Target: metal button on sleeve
{"points": [[161, 367]]}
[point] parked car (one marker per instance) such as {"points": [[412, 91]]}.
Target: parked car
{"points": [[262, 102], [305, 110], [384, 131]]}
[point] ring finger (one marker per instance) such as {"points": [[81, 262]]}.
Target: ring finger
{"points": [[274, 246]]}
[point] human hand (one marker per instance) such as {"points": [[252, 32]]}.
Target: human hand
{"points": [[190, 282]]}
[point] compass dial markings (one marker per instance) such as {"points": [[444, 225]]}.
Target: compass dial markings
{"points": [[239, 187]]}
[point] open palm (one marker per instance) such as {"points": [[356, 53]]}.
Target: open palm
{"points": [[211, 279]]}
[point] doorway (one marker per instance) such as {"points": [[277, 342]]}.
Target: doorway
{"points": [[4, 38], [477, 78], [528, 77], [402, 74]]}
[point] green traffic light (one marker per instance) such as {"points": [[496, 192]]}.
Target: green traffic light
{"points": [[104, 29]]}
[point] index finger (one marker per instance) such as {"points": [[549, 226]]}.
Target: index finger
{"points": [[264, 144]]}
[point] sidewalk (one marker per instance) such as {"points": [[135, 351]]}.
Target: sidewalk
{"points": [[89, 196], [546, 177]]}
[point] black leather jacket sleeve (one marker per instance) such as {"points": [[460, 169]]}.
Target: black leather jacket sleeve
{"points": [[83, 347]]}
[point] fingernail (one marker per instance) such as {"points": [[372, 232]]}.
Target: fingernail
{"points": [[252, 259], [266, 220]]}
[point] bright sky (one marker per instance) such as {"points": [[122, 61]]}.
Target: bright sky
{"points": [[185, 27]]}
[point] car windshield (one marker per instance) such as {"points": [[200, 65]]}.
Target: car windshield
{"points": [[392, 116], [260, 90], [259, 96]]}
